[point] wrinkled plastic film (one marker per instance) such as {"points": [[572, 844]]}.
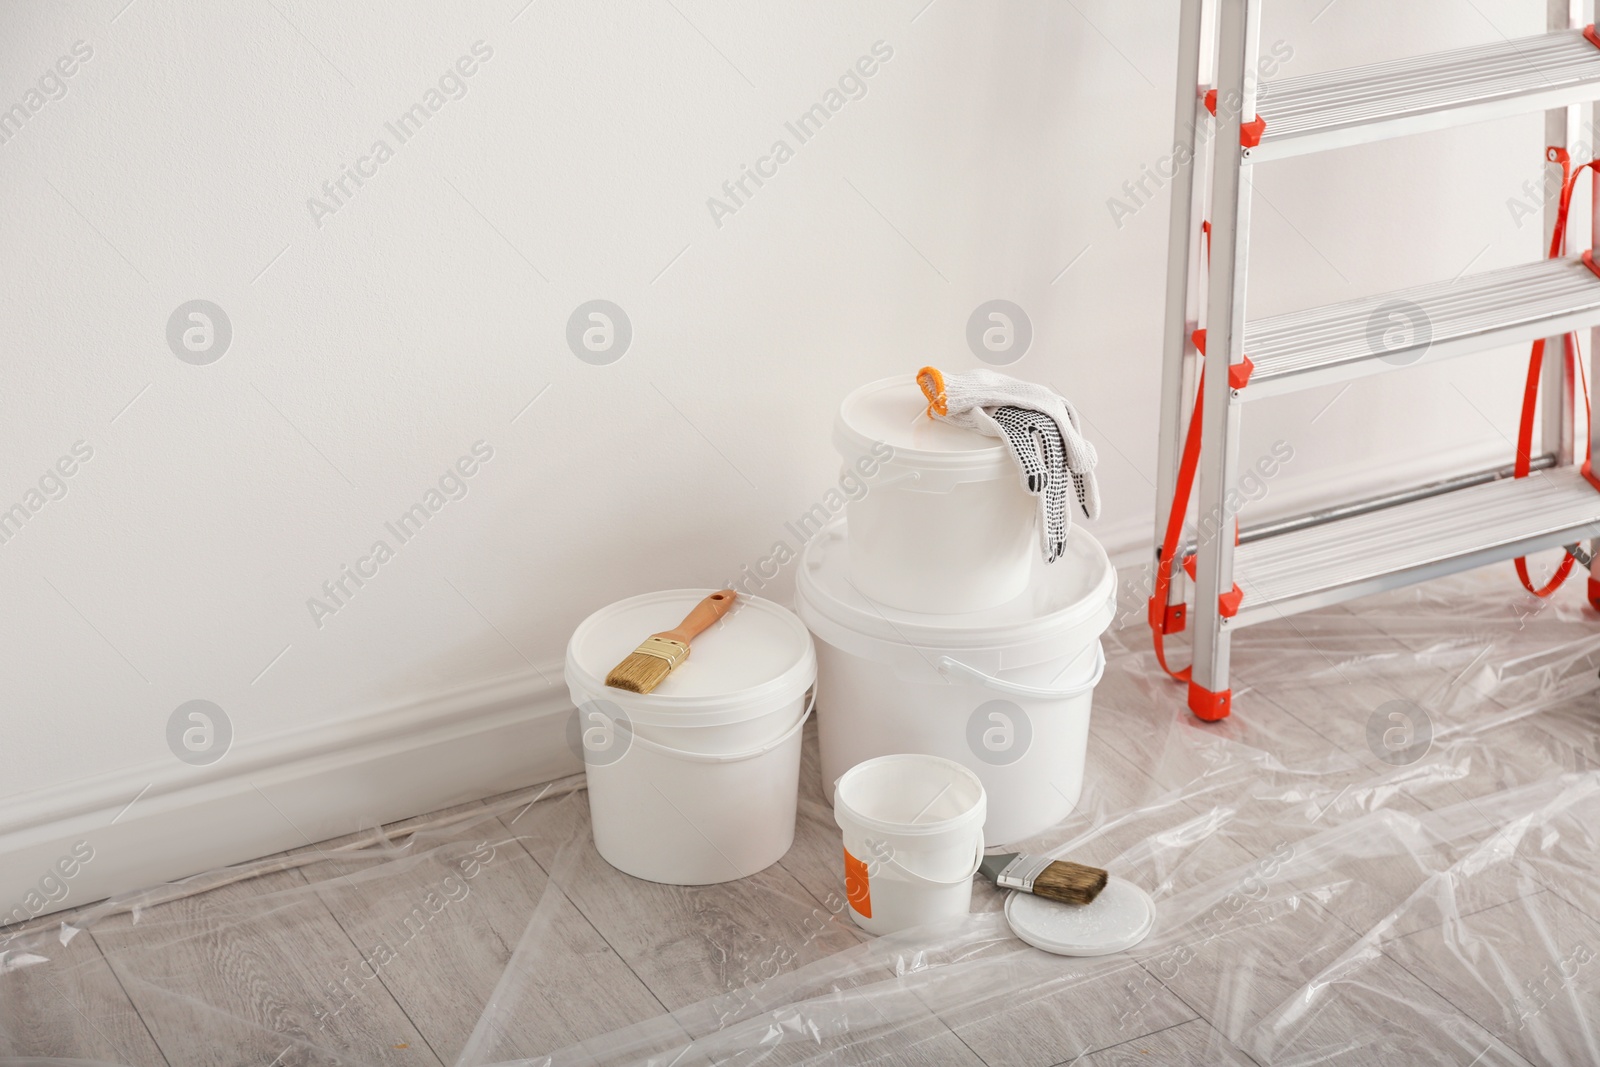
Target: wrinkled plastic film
{"points": [[1385, 856]]}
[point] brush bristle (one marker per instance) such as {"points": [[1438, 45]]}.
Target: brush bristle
{"points": [[1069, 883], [639, 673]]}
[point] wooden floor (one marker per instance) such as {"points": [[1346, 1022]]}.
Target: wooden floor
{"points": [[1317, 905]]}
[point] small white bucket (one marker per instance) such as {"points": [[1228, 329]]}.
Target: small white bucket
{"points": [[945, 525], [913, 839], [1006, 692], [697, 782]]}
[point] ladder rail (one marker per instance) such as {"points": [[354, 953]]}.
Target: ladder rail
{"points": [[1184, 265], [1558, 385], [1238, 46], [1593, 429]]}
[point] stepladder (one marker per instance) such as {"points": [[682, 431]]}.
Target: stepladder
{"points": [[1215, 571]]}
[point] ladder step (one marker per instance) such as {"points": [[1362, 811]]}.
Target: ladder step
{"points": [[1362, 104], [1413, 542], [1436, 321]]}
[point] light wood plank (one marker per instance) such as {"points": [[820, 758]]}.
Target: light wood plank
{"points": [[1375, 1013], [686, 943], [1528, 970], [252, 972], [70, 1005], [857, 1038], [444, 966], [1190, 1044], [1235, 960], [1032, 1009]]}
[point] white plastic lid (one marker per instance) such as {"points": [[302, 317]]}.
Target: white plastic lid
{"points": [[1060, 597], [894, 411], [1116, 920], [753, 661]]}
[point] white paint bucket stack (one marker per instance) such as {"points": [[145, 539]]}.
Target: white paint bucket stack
{"points": [[942, 633], [696, 782]]}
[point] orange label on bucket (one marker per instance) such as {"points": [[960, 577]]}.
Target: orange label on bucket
{"points": [[856, 887]]}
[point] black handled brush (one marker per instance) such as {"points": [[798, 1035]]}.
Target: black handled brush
{"points": [[1058, 880]]}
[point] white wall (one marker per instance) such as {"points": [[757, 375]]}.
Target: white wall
{"points": [[374, 345]]}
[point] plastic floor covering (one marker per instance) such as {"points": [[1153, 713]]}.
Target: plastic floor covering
{"points": [[1386, 856]]}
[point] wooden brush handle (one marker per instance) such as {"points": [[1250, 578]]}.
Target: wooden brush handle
{"points": [[704, 614]]}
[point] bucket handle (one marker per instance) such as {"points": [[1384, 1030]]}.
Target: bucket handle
{"points": [[922, 879], [950, 665], [905, 476], [730, 757]]}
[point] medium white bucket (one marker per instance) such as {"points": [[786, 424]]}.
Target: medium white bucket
{"points": [[945, 525], [913, 839], [1006, 692], [696, 782]]}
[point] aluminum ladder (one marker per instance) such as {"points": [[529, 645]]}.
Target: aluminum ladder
{"points": [[1353, 548]]}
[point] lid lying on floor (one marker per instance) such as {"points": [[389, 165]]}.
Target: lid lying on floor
{"points": [[754, 660], [1118, 919], [893, 412]]}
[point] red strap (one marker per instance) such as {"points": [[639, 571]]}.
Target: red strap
{"points": [[1187, 466], [1169, 543], [1574, 364], [1530, 399]]}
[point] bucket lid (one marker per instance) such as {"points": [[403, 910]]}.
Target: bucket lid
{"points": [[894, 411], [1060, 597], [753, 661], [1116, 920]]}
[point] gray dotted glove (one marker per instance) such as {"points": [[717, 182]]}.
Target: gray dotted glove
{"points": [[1041, 429]]}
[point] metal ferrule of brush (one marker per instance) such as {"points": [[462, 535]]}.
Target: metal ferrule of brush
{"points": [[674, 652], [1021, 872]]}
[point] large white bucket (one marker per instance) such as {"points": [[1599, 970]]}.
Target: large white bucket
{"points": [[945, 525], [1006, 692], [913, 839], [696, 782]]}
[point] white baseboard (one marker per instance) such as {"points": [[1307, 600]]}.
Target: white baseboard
{"points": [[281, 793]]}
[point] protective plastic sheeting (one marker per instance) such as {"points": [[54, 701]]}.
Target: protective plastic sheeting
{"points": [[1386, 856]]}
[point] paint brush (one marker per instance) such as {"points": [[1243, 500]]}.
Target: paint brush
{"points": [[1058, 880], [648, 665]]}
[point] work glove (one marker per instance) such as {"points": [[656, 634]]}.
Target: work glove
{"points": [[1055, 461]]}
